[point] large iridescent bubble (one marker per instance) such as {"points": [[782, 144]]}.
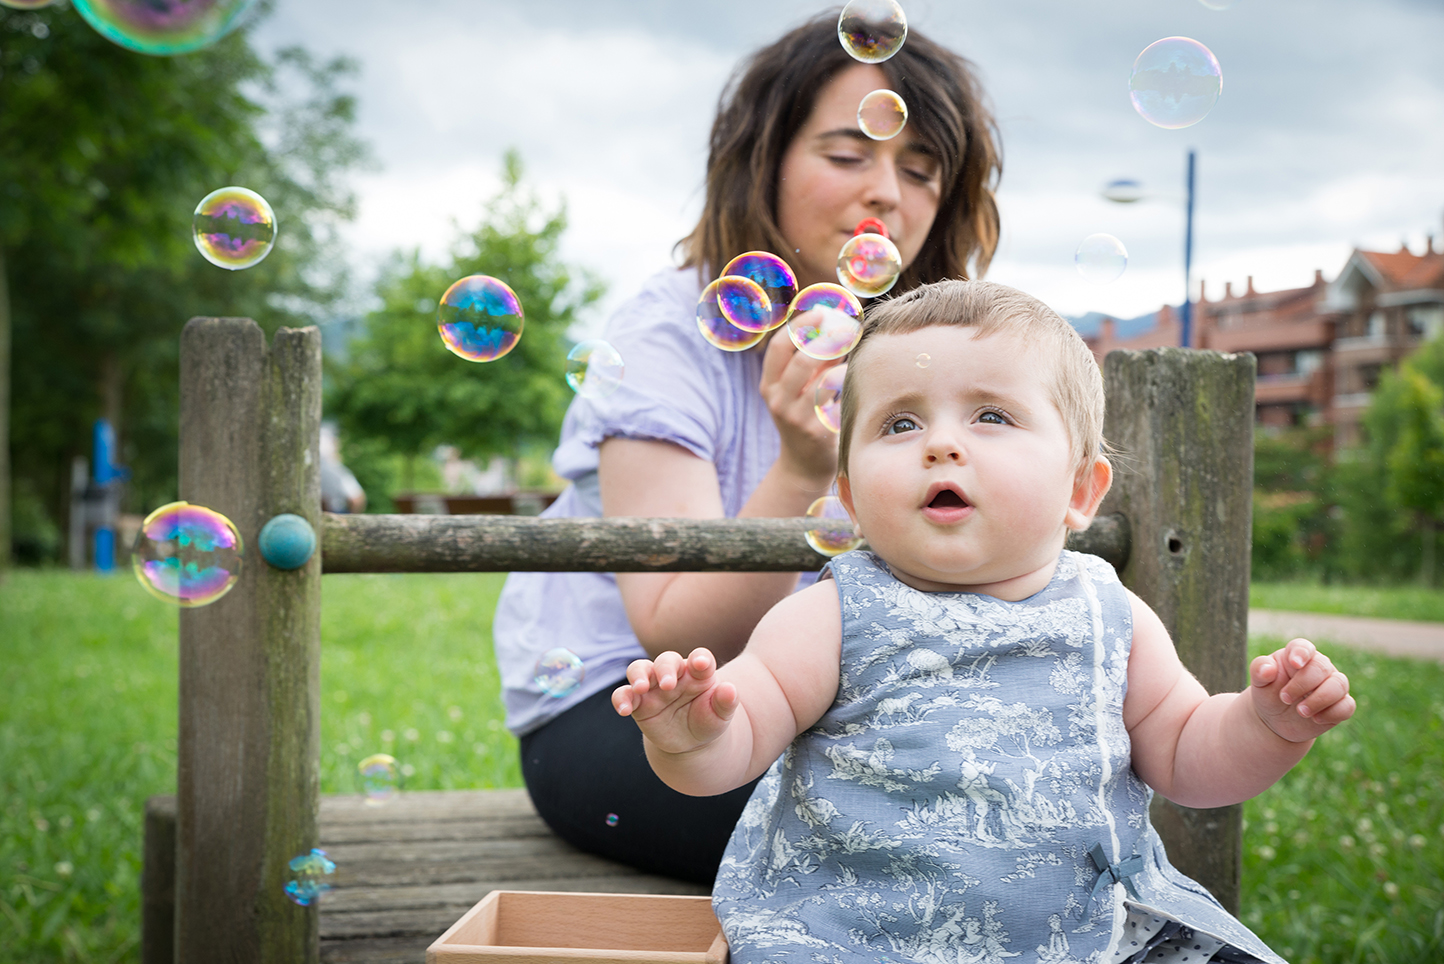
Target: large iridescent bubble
{"points": [[559, 672], [1175, 82], [480, 318], [25, 4], [832, 531], [772, 275], [744, 303], [719, 332], [234, 228], [825, 321], [595, 368], [187, 555], [310, 878], [882, 115], [872, 30], [869, 265], [163, 27]]}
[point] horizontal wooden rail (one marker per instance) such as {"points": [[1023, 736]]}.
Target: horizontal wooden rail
{"points": [[493, 543]]}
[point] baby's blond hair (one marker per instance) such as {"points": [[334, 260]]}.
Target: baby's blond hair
{"points": [[1077, 389]]}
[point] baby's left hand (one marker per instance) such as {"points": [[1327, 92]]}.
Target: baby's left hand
{"points": [[1298, 693]]}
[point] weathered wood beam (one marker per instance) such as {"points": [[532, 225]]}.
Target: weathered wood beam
{"points": [[496, 543], [249, 748], [1183, 424]]}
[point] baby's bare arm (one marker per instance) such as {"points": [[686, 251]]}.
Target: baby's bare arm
{"points": [[1210, 751], [709, 730]]}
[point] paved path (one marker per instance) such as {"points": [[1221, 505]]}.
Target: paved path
{"points": [[1394, 637]]}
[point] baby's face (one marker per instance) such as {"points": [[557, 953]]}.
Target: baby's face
{"points": [[960, 474]]}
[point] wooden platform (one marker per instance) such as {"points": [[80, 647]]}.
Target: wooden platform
{"points": [[407, 870]]}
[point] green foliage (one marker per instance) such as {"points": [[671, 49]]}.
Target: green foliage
{"points": [[106, 153], [1292, 478], [400, 386], [408, 656]]}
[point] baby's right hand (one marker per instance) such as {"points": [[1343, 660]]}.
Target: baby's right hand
{"points": [[678, 703]]}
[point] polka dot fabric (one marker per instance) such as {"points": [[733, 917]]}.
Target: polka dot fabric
{"points": [[1148, 939]]}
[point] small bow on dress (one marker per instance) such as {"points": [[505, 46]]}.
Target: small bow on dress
{"points": [[1119, 873]]}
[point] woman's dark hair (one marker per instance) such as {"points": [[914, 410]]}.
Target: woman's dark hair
{"points": [[771, 97]]}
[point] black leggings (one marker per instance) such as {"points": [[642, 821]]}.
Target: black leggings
{"points": [[589, 779]]}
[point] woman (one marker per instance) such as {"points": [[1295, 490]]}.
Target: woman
{"points": [[700, 433]]}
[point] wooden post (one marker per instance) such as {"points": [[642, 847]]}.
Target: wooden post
{"points": [[247, 776], [1183, 424]]}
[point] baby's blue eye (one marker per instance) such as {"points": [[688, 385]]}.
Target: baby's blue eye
{"points": [[900, 424], [992, 418]]}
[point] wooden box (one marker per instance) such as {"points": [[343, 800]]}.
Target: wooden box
{"points": [[530, 927]]}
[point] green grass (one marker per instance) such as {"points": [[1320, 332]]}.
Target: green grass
{"points": [[1382, 602], [88, 730], [1344, 858]]}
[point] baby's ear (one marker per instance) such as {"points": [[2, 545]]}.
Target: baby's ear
{"points": [[1093, 484]]}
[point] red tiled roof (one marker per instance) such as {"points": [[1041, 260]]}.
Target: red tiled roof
{"points": [[1405, 271]]}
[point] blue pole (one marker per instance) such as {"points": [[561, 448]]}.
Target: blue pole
{"points": [[1187, 338]]}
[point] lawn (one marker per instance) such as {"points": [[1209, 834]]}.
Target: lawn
{"points": [[1344, 858], [1382, 602]]}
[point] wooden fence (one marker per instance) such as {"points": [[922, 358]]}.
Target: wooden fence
{"points": [[1176, 526]]}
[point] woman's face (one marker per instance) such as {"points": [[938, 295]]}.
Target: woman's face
{"points": [[833, 175]]}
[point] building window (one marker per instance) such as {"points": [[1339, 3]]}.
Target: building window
{"points": [[1308, 362], [1369, 377], [1425, 321], [1376, 325]]}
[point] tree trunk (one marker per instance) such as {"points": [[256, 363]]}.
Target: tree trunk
{"points": [[4, 420]]}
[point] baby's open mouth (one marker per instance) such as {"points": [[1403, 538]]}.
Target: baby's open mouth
{"points": [[947, 499]]}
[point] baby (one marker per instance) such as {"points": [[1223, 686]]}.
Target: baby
{"points": [[960, 728]]}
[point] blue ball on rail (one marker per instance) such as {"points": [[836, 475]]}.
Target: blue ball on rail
{"points": [[287, 541]]}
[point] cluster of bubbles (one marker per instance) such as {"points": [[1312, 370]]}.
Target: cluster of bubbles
{"points": [[234, 228], [832, 531], [380, 778], [1101, 258], [559, 672], [187, 555], [310, 875], [1175, 82]]}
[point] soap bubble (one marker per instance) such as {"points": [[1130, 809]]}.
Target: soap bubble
{"points": [[594, 369], [234, 228], [380, 778], [1123, 191], [834, 531], [25, 4], [163, 26], [827, 399], [719, 332], [187, 555], [869, 265], [924, 360], [871, 226], [308, 877], [744, 303], [872, 30], [1175, 82], [479, 318], [612, 819], [882, 115], [773, 275], [559, 672], [1101, 258], [825, 321]]}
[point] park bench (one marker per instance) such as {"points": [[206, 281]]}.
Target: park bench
{"points": [[1176, 526]]}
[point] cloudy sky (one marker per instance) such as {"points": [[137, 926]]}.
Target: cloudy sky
{"points": [[1329, 133]]}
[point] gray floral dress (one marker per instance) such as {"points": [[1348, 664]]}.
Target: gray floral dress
{"points": [[968, 798]]}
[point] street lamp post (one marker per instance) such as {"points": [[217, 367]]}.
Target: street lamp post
{"points": [[1127, 192]]}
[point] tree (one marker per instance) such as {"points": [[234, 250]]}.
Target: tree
{"points": [[1406, 431], [400, 387], [104, 154]]}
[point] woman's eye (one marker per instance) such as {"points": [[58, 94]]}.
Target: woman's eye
{"points": [[899, 425], [844, 159]]}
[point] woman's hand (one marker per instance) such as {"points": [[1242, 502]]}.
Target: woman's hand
{"points": [[789, 384]]}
